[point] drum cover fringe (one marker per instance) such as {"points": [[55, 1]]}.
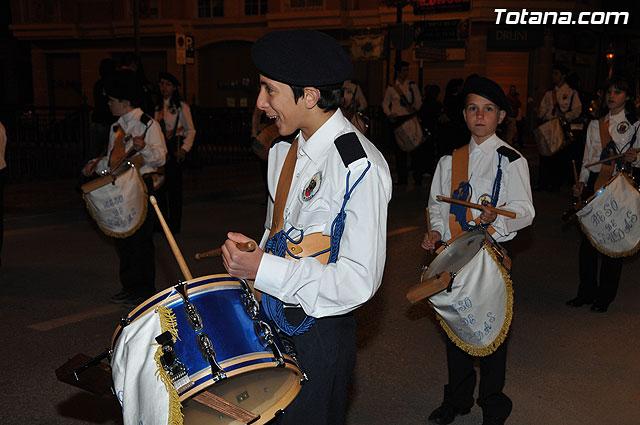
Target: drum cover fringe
{"points": [[607, 252], [168, 323], [502, 335], [136, 227]]}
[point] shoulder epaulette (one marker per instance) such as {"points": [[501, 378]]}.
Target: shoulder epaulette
{"points": [[349, 148], [144, 119], [509, 153]]}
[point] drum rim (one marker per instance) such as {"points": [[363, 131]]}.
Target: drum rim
{"points": [[149, 305], [236, 367], [461, 240]]}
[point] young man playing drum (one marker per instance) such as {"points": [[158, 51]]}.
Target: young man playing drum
{"points": [[618, 126], [497, 175], [329, 191], [143, 137]]}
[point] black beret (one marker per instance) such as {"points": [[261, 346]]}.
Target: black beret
{"points": [[124, 85], [488, 89], [302, 57], [169, 77]]}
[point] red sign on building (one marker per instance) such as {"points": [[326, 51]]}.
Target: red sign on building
{"points": [[424, 7]]}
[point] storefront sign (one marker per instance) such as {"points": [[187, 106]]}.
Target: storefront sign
{"points": [[424, 7], [514, 37]]}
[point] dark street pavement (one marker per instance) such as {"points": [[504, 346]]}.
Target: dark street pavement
{"points": [[566, 366]]}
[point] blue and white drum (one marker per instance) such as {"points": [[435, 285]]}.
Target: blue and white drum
{"points": [[609, 218], [476, 309], [245, 362]]}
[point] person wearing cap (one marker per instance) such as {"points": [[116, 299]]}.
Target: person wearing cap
{"points": [[492, 164], [329, 183], [174, 117], [143, 134]]}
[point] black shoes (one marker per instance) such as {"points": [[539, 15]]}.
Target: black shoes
{"points": [[126, 299], [120, 297], [599, 308], [445, 414], [579, 302], [595, 306], [492, 421]]}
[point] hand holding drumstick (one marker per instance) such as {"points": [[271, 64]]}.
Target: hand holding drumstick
{"points": [[431, 238], [239, 263]]}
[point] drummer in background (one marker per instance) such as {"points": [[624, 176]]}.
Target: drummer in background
{"points": [[174, 117], [618, 111], [136, 252], [328, 157], [499, 175], [354, 102]]}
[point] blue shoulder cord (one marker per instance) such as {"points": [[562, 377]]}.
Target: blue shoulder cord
{"points": [[277, 245], [464, 191]]}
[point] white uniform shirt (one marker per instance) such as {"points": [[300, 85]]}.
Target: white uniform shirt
{"points": [[621, 132], [186, 123], [154, 152], [391, 102], [515, 189], [3, 146], [338, 288], [571, 109]]}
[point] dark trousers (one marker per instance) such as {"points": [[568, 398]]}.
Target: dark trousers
{"points": [[553, 170], [327, 354], [462, 380], [137, 255], [610, 270], [170, 194], [3, 174], [419, 163]]}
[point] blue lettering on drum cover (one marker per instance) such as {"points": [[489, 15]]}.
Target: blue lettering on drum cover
{"points": [[468, 322], [611, 232]]}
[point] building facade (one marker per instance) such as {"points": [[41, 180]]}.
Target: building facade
{"points": [[443, 40]]}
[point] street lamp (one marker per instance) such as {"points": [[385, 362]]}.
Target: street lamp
{"points": [[610, 54]]}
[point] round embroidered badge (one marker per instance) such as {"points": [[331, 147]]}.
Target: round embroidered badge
{"points": [[312, 187], [622, 127], [484, 199]]}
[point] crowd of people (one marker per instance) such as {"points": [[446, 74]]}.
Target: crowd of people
{"points": [[328, 184]]}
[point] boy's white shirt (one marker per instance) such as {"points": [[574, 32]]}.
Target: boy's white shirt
{"points": [[515, 189]]}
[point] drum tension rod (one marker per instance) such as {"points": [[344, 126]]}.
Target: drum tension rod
{"points": [[205, 345], [266, 337], [176, 370]]}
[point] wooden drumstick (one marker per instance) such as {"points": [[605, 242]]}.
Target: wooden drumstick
{"points": [[477, 206], [429, 228], [575, 178], [611, 158], [171, 240], [242, 246]]}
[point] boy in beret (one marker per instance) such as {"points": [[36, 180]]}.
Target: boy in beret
{"points": [[136, 252], [330, 184], [499, 175]]}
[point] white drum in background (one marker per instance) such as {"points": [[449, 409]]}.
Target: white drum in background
{"points": [[119, 206]]}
